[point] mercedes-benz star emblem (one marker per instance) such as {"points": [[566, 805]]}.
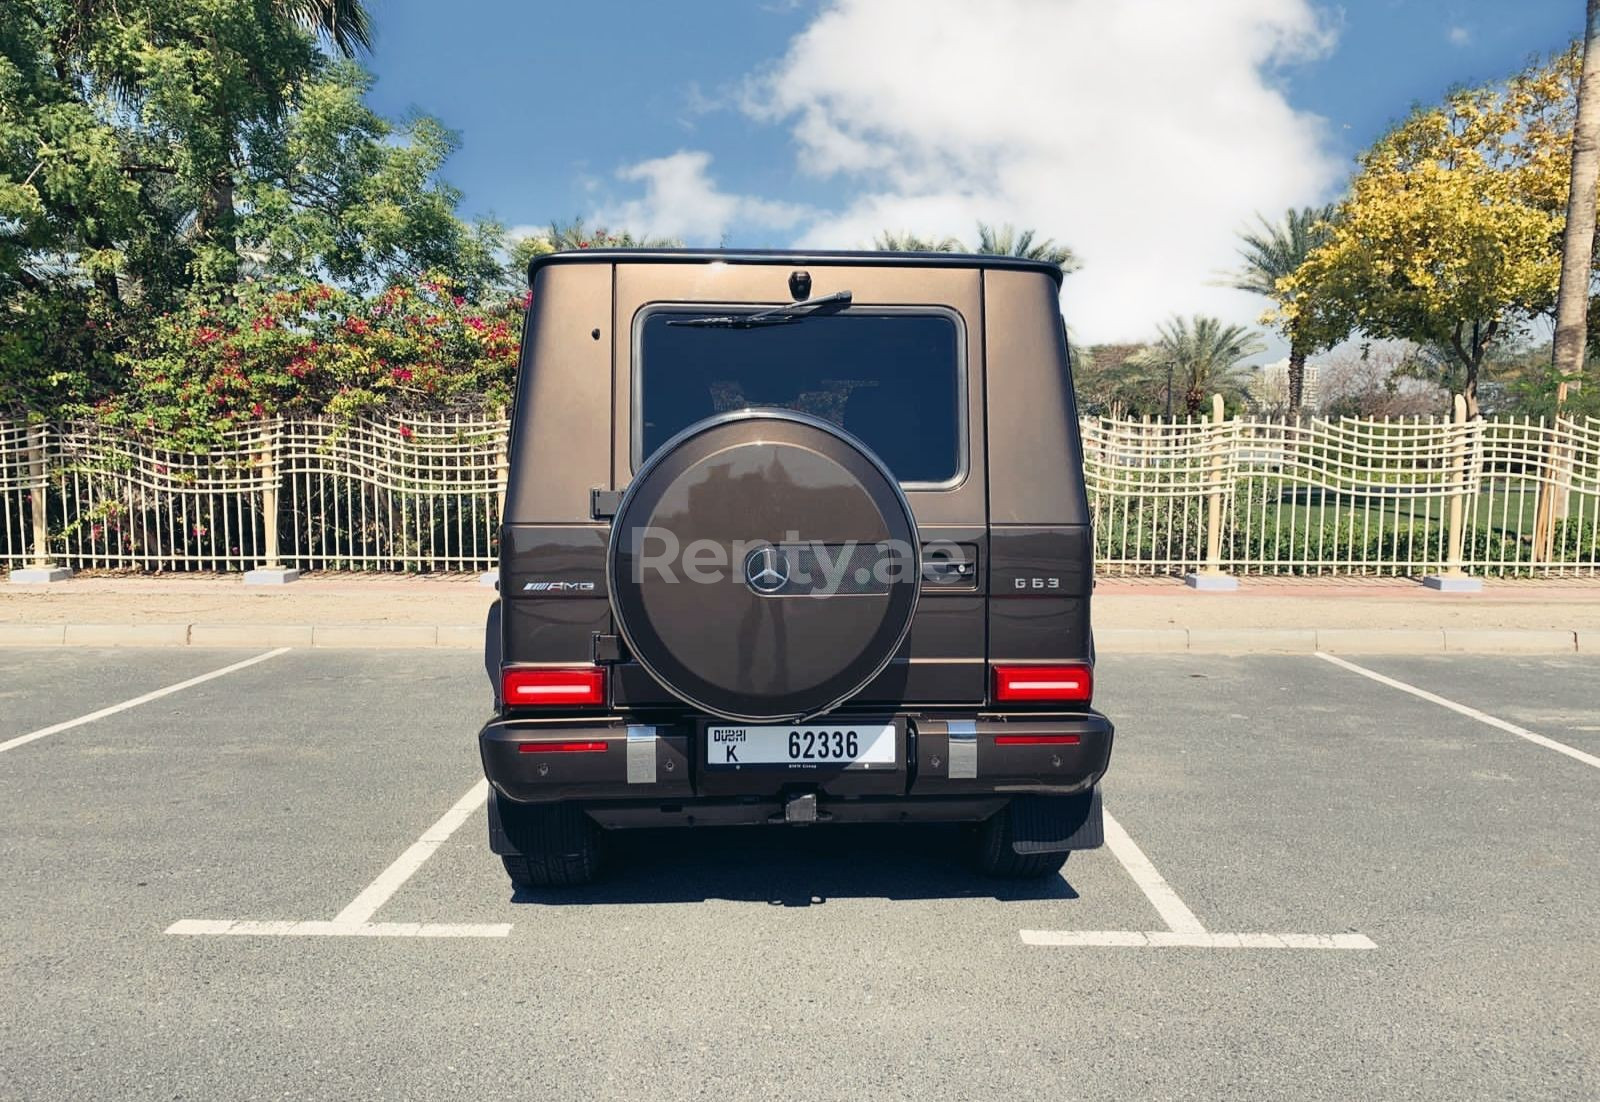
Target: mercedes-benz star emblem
{"points": [[766, 569]]}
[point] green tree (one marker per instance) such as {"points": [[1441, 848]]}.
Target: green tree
{"points": [[1201, 357], [1115, 380], [1451, 233], [340, 190], [1273, 251]]}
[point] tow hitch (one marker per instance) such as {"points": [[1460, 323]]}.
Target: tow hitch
{"points": [[801, 808]]}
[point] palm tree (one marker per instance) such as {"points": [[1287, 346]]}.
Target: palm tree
{"points": [[1007, 241], [895, 241], [1572, 301], [344, 23], [1275, 250], [1204, 357], [992, 241]]}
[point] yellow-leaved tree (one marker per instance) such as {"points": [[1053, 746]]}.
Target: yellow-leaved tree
{"points": [[1451, 233]]}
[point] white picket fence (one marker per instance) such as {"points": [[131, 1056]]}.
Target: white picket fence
{"points": [[1244, 496]]}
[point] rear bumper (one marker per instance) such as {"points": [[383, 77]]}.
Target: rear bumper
{"points": [[968, 766]]}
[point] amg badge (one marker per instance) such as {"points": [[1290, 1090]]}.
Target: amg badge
{"points": [[558, 587]]}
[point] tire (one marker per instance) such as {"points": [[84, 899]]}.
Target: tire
{"points": [[997, 858], [558, 846]]}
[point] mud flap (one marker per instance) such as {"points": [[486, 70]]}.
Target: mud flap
{"points": [[499, 841], [1052, 824]]}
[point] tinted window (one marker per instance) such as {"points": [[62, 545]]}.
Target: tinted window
{"points": [[891, 379]]}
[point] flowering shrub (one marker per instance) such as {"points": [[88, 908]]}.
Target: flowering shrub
{"points": [[221, 363]]}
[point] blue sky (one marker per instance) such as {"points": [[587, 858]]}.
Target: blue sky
{"points": [[1142, 132]]}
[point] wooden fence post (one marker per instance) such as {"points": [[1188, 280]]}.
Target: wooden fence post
{"points": [[42, 569], [1211, 576], [1454, 579], [271, 571]]}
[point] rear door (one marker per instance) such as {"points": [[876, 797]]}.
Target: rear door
{"points": [[908, 380]]}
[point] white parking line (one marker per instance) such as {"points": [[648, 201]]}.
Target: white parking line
{"points": [[355, 919], [1184, 930], [365, 905], [1178, 917], [1162, 939], [22, 740], [1472, 713]]}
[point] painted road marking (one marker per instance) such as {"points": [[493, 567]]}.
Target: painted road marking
{"points": [[355, 919], [1159, 939], [1178, 917], [1471, 713], [247, 928], [21, 740], [365, 905], [1184, 930]]}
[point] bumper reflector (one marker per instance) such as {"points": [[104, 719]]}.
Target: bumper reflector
{"points": [[580, 685], [1036, 740], [591, 747], [1044, 684]]}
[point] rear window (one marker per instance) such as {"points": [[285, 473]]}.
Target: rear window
{"points": [[892, 378]]}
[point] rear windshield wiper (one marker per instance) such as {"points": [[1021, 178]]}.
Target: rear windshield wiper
{"points": [[778, 315]]}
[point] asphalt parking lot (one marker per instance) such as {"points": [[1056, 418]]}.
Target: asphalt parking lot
{"points": [[273, 882]]}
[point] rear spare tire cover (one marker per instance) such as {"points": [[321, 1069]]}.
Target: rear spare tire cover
{"points": [[764, 566]]}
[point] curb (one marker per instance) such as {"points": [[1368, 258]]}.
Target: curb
{"points": [[1342, 641], [1107, 641]]}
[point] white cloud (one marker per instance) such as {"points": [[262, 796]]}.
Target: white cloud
{"points": [[1143, 133], [1459, 36], [681, 200]]}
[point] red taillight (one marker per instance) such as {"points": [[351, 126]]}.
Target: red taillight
{"points": [[524, 688], [1044, 684], [1036, 740], [595, 746]]}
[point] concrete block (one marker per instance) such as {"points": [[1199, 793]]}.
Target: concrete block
{"points": [[271, 575], [1588, 641], [249, 635], [374, 635], [39, 575], [1141, 641], [490, 578], [1380, 641], [461, 636], [1211, 583], [31, 635], [1481, 641], [127, 635], [1453, 583], [1252, 640]]}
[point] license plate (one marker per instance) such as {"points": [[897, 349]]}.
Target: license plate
{"points": [[864, 745]]}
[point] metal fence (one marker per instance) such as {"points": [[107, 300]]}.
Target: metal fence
{"points": [[1414, 496], [1407, 496], [413, 495]]}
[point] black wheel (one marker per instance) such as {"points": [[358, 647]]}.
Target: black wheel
{"points": [[996, 857], [558, 846]]}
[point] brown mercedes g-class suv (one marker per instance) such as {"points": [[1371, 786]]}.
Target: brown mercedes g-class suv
{"points": [[793, 538]]}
